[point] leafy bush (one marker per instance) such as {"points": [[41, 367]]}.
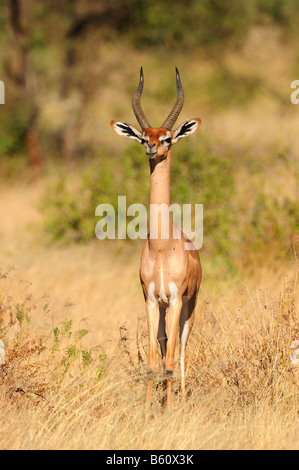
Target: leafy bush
{"points": [[205, 23], [198, 176], [240, 215], [13, 129]]}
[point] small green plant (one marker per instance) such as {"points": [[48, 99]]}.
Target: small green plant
{"points": [[101, 365], [86, 357], [22, 315], [41, 361], [56, 333], [72, 353]]}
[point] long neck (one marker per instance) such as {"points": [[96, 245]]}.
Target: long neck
{"points": [[160, 220]]}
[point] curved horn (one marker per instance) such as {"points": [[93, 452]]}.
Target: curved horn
{"points": [[140, 116], [173, 115]]}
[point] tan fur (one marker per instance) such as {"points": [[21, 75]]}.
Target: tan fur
{"points": [[179, 266], [170, 275]]}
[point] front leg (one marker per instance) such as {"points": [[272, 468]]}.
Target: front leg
{"points": [[153, 314], [172, 321]]}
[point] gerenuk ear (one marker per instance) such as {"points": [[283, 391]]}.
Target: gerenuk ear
{"points": [[188, 128], [126, 130]]}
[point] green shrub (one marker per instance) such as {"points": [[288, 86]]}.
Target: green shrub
{"points": [[198, 176], [13, 129], [205, 23], [240, 215]]}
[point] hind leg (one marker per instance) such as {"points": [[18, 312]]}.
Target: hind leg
{"points": [[162, 338], [186, 324]]}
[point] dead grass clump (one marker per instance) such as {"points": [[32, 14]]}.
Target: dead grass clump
{"points": [[37, 362], [246, 352]]}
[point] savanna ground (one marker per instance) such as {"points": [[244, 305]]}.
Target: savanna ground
{"points": [[74, 325], [72, 311]]}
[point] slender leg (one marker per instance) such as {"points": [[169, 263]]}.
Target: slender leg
{"points": [[173, 318], [186, 323], [162, 338], [152, 312]]}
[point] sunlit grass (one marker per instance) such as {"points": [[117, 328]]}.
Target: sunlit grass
{"points": [[242, 388]]}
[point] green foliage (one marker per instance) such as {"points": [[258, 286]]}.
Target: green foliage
{"points": [[281, 11], [86, 357], [226, 88], [274, 222], [56, 333], [22, 314], [72, 218], [66, 328], [13, 129], [207, 23], [102, 365], [56, 36], [70, 213], [205, 175], [70, 356], [237, 219]]}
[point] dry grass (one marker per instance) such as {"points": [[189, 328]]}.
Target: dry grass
{"points": [[64, 389], [242, 385]]}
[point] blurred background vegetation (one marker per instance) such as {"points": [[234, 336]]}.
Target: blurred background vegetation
{"points": [[70, 67]]}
